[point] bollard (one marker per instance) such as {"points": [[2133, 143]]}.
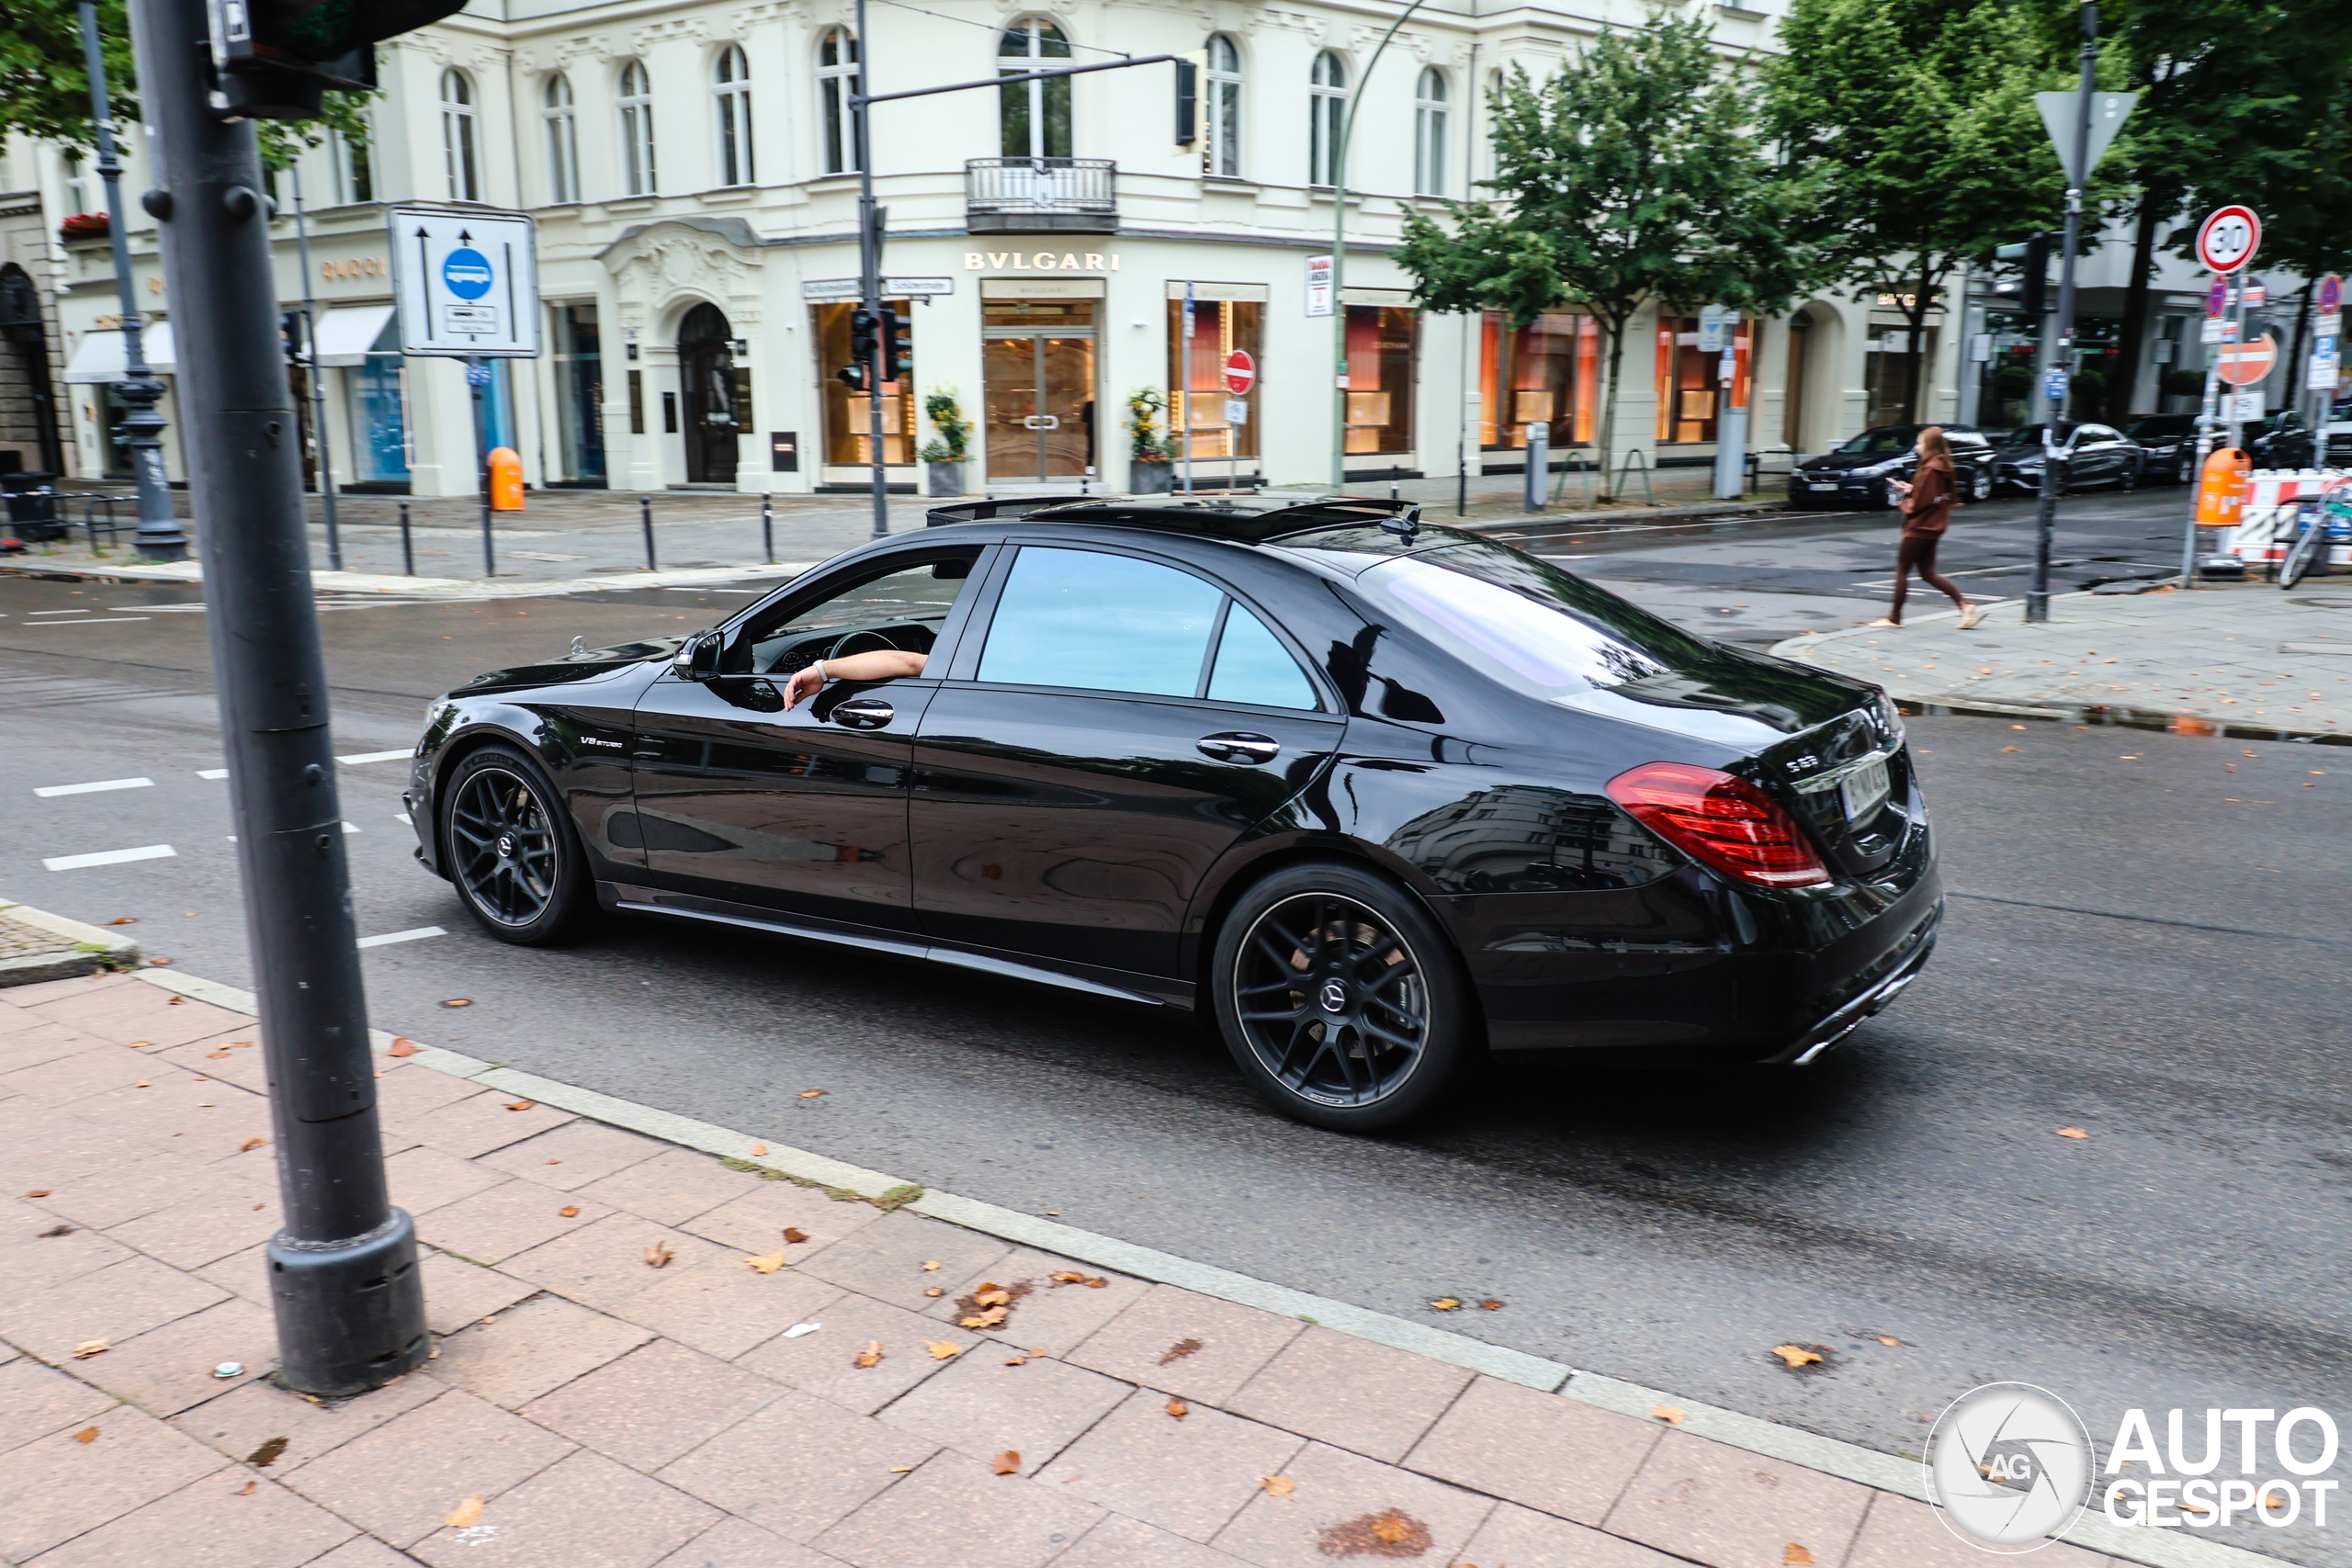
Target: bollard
{"points": [[408, 545], [1539, 466], [767, 529], [645, 515]]}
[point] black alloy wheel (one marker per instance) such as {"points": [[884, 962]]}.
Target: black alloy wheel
{"points": [[2186, 473], [1980, 484], [1340, 997], [510, 850]]}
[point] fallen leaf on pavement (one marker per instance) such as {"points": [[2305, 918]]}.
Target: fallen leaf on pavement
{"points": [[1391, 1528], [941, 1350], [1795, 1355], [930, 1267], [176, 1001], [124, 921], [459, 1002], [1492, 1306], [1278, 1485], [811, 1093], [992, 1296], [1889, 1339], [1069, 1277], [57, 1230], [934, 1290], [901, 1468], [988, 1319], [768, 1265], [1668, 1414], [519, 1104], [89, 1347], [1006, 1464], [465, 1513], [160, 963], [555, 1162], [2008, 748], [795, 1235], [1178, 1409], [37, 1192], [872, 1355], [403, 1048], [251, 1144], [1446, 1303], [1795, 1556], [657, 1256], [1017, 1361], [570, 1210], [247, 1490], [86, 1435], [142, 1083], [2071, 1132], [266, 1455], [216, 1056], [759, 1148], [1178, 1351]]}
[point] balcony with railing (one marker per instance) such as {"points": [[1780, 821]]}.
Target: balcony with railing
{"points": [[1041, 195]]}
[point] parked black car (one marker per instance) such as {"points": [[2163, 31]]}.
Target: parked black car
{"points": [[1377, 796], [2089, 455], [2285, 441], [2168, 445], [1857, 474]]}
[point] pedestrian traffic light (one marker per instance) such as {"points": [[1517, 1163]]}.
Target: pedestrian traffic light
{"points": [[273, 58], [2032, 255], [897, 356], [864, 332], [289, 331]]}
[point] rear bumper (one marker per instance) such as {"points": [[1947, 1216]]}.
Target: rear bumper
{"points": [[1899, 969]]}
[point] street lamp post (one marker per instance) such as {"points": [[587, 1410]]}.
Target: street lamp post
{"points": [[159, 536], [1339, 256], [2062, 329]]}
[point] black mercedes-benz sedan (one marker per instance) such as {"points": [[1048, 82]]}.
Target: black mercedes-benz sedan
{"points": [[1858, 474], [1376, 796]]}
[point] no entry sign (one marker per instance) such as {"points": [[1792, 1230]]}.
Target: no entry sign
{"points": [[2228, 238], [2241, 365], [1240, 373]]}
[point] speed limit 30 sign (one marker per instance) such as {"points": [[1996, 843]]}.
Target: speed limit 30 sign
{"points": [[2228, 238]]}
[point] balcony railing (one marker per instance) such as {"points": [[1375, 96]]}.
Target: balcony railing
{"points": [[1015, 196]]}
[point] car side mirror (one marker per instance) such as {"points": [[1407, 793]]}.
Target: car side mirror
{"points": [[698, 657]]}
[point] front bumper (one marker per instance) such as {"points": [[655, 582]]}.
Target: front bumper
{"points": [[1834, 489]]}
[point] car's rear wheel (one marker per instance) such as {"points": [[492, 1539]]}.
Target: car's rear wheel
{"points": [[1340, 997], [1980, 484], [511, 853]]}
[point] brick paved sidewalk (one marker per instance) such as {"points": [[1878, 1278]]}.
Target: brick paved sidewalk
{"points": [[587, 1409]]}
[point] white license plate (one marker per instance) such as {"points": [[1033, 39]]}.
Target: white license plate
{"points": [[1818, 485], [1864, 791]]}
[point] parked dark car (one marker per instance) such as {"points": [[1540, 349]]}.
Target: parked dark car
{"points": [[2168, 445], [1857, 474], [2089, 455], [2284, 441], [1375, 794]]}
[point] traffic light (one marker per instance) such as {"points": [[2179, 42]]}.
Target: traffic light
{"points": [[289, 332], [897, 356], [2032, 255], [273, 58], [862, 335]]}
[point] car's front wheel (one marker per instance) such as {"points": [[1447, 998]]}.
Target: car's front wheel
{"points": [[1980, 484], [2186, 471], [1341, 999], [511, 850]]}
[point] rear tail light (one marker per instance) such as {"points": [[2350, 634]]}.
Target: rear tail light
{"points": [[1719, 821]]}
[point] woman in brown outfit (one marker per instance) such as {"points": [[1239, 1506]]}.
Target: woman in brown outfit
{"points": [[1926, 513]]}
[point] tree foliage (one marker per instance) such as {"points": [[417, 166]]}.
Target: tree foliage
{"points": [[1631, 176]]}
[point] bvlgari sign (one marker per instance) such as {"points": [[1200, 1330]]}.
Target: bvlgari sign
{"points": [[1041, 261]]}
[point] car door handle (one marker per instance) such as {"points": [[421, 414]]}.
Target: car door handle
{"points": [[1238, 746], [864, 713]]}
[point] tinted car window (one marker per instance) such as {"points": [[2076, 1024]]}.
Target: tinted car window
{"points": [[1252, 666], [1108, 623], [1893, 439], [2162, 427], [903, 608]]}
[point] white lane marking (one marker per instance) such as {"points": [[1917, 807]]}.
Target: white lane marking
{"points": [[50, 790], [403, 817], [359, 757], [212, 772], [417, 935], [98, 621], [110, 857]]}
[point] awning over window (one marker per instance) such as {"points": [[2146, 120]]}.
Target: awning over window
{"points": [[348, 332], [98, 358]]}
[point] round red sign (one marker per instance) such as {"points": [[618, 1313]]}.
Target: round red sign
{"points": [[2228, 238], [2243, 363], [1240, 372]]}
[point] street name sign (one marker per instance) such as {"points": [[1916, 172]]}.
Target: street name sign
{"points": [[467, 282], [2241, 365], [2228, 238]]}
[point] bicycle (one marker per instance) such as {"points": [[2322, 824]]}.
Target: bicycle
{"points": [[2319, 520]]}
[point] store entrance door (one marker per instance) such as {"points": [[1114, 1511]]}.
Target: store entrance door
{"points": [[1038, 366], [707, 374]]}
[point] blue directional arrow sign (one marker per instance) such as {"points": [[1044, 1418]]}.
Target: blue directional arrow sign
{"points": [[465, 281]]}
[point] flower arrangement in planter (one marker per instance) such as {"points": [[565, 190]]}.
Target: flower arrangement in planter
{"points": [[1150, 460], [84, 226], [944, 455]]}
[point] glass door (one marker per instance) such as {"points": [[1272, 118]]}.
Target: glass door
{"points": [[1037, 364]]}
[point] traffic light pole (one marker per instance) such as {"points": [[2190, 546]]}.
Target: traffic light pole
{"points": [[343, 1268], [2037, 601]]}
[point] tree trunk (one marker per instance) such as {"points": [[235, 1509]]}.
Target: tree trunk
{"points": [[2118, 402], [2295, 356], [1915, 348], [1615, 328]]}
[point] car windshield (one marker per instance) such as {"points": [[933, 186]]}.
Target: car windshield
{"points": [[2030, 435], [1886, 439]]}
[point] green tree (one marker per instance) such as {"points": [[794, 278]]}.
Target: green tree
{"points": [[1631, 176], [1913, 124]]}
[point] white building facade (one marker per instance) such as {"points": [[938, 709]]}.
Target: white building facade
{"points": [[693, 172]]}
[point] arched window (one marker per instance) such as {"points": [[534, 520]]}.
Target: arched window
{"points": [[563, 139], [636, 131], [1327, 110], [1223, 155], [1428, 134], [460, 138], [1035, 115], [731, 88], [836, 79]]}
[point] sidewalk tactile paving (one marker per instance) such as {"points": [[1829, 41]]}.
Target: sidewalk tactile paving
{"points": [[1351, 1392], [55, 1488], [1553, 1454], [211, 1523], [824, 1363], [1187, 1343], [952, 1509], [981, 1405], [653, 1405], [255, 1413], [574, 1155], [1054, 1315], [584, 1511], [1189, 1475], [1338, 1489], [1525, 1539], [672, 1187], [36, 1400], [493, 1225], [724, 1306], [532, 1349], [885, 1259], [168, 1370], [1725, 1506], [400, 1480], [797, 1466], [603, 1264]]}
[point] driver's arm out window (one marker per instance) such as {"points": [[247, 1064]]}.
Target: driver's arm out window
{"points": [[904, 608]]}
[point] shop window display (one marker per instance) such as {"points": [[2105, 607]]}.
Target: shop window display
{"points": [[1198, 402], [1689, 393], [1380, 378], [1547, 373]]}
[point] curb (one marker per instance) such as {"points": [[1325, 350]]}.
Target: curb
{"points": [[1831, 1456], [36, 967]]}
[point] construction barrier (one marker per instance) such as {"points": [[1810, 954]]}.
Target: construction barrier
{"points": [[2265, 524]]}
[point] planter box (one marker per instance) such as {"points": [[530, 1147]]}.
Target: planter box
{"points": [[943, 479], [1150, 479]]}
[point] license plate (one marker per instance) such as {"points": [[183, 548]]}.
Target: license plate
{"points": [[1819, 485], [1864, 791]]}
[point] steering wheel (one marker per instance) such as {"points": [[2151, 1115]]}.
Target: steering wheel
{"points": [[860, 642]]}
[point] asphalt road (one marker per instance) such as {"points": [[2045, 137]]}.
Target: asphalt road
{"points": [[2142, 943]]}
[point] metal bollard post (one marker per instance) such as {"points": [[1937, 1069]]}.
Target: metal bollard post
{"points": [[645, 515], [767, 529], [408, 544], [1538, 474]]}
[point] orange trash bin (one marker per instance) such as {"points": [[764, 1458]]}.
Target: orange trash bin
{"points": [[2221, 492], [506, 479]]}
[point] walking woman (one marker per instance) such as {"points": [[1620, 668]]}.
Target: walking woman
{"points": [[1926, 513]]}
